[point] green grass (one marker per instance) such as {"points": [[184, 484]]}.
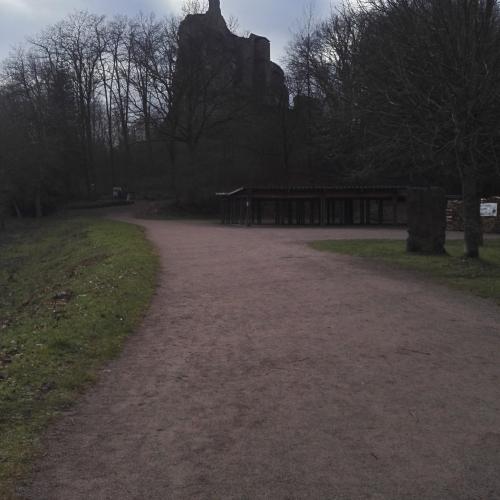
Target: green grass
{"points": [[481, 276], [51, 348]]}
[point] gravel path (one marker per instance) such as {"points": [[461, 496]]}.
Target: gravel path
{"points": [[267, 370]]}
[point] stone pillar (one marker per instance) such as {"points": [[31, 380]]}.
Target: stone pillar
{"points": [[426, 220], [214, 7], [322, 211], [249, 210], [394, 210]]}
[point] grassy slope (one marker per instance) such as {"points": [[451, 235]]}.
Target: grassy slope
{"points": [[51, 349], [481, 277]]}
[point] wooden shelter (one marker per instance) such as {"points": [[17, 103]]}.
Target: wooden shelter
{"points": [[490, 221], [328, 205]]}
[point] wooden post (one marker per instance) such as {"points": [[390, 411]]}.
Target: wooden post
{"points": [[368, 212], [259, 212], [395, 210], [380, 212], [322, 211], [249, 210], [349, 212]]}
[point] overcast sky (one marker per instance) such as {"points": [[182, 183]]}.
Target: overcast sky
{"points": [[271, 18]]}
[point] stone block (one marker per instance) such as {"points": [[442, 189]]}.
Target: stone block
{"points": [[426, 220]]}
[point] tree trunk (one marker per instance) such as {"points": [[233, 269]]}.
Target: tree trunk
{"points": [[472, 216], [173, 169], [110, 143], [149, 144], [147, 130], [19, 214], [38, 205], [3, 212], [90, 151]]}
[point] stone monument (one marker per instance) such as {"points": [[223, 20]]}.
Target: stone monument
{"points": [[426, 220], [247, 60]]}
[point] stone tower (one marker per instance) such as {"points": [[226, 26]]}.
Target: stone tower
{"points": [[247, 60], [214, 8], [227, 108]]}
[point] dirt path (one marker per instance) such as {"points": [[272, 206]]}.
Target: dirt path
{"points": [[266, 370]]}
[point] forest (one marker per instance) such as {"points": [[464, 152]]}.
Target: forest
{"points": [[402, 92]]}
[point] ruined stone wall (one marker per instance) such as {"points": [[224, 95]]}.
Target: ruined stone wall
{"points": [[247, 59], [241, 139]]}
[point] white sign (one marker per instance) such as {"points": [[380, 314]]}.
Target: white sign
{"points": [[489, 209]]}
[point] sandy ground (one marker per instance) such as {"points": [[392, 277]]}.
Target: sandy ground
{"points": [[267, 370]]}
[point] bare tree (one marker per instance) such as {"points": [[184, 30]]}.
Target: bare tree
{"points": [[430, 89], [194, 7], [121, 35], [80, 41], [29, 86], [301, 61], [6, 191]]}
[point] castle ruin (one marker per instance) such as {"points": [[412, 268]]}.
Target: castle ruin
{"points": [[246, 60], [229, 103]]}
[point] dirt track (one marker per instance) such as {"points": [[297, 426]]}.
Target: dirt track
{"points": [[266, 370]]}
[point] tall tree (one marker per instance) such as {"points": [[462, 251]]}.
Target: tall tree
{"points": [[301, 62], [34, 97], [430, 75], [80, 41]]}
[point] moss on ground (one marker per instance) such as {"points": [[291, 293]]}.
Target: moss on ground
{"points": [[71, 291], [479, 276]]}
